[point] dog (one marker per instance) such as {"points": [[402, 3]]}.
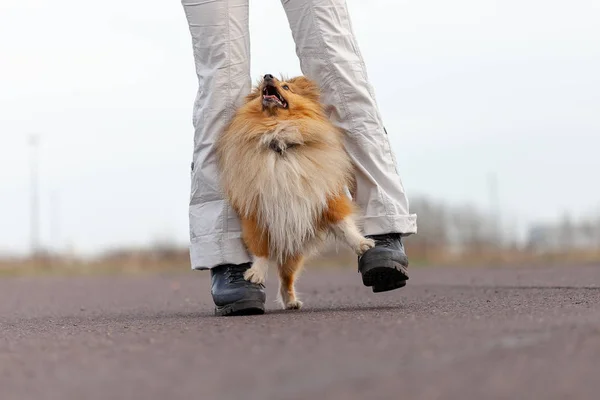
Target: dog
{"points": [[285, 171]]}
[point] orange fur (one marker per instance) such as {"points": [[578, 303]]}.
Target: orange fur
{"points": [[288, 272], [255, 238], [284, 170], [338, 208]]}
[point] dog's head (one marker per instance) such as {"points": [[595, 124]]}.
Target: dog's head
{"points": [[285, 98]]}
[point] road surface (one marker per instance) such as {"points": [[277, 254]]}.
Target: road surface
{"points": [[449, 334]]}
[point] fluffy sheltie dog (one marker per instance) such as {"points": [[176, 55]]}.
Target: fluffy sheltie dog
{"points": [[285, 171]]}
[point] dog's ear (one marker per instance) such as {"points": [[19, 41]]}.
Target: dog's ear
{"points": [[306, 87]]}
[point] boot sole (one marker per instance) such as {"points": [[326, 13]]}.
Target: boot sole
{"points": [[243, 307], [384, 279], [382, 273]]}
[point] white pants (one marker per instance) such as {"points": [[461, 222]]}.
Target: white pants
{"points": [[329, 54]]}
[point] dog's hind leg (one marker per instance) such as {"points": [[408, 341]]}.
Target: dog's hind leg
{"points": [[288, 272]]}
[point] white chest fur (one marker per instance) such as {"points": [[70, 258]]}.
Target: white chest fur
{"points": [[286, 182], [292, 191]]}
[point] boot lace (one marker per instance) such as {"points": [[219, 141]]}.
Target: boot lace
{"points": [[235, 273], [388, 240]]}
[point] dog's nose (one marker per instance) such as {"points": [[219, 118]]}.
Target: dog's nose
{"points": [[268, 77]]}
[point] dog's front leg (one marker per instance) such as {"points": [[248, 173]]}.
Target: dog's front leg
{"points": [[257, 242], [347, 231], [341, 224], [258, 272]]}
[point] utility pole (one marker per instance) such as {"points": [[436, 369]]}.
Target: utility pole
{"points": [[34, 141], [55, 222], [495, 205]]}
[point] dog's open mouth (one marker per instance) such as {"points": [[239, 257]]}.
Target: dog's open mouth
{"points": [[271, 95]]}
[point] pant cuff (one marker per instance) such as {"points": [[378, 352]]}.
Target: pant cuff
{"points": [[403, 224], [209, 251]]}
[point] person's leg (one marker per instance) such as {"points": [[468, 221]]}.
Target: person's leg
{"points": [[221, 44], [329, 54]]}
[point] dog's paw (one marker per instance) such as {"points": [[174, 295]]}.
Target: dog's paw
{"points": [[255, 275], [293, 305], [364, 245]]}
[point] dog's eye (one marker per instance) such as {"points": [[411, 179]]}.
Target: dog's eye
{"points": [[286, 87]]}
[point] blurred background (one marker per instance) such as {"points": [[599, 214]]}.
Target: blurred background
{"points": [[492, 108]]}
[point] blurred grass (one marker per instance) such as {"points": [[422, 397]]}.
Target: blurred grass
{"points": [[176, 260]]}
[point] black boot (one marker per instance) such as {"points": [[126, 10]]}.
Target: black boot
{"points": [[385, 266], [232, 294]]}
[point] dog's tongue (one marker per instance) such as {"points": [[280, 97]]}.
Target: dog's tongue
{"points": [[271, 96]]}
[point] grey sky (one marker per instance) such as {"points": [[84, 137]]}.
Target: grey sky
{"points": [[465, 87]]}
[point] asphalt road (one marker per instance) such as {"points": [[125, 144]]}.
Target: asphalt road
{"points": [[450, 334]]}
